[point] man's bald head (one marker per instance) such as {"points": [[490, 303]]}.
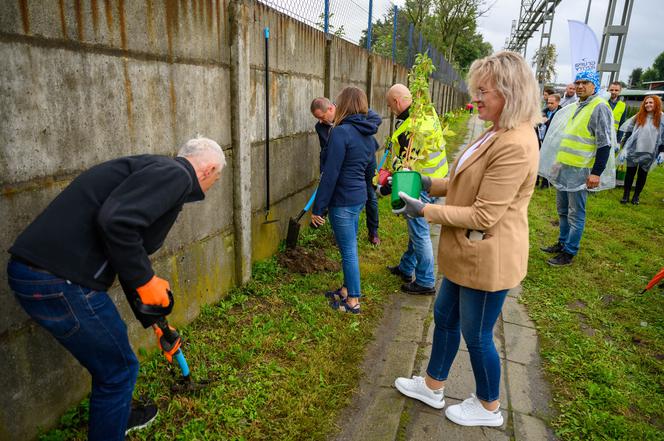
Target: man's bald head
{"points": [[398, 98]]}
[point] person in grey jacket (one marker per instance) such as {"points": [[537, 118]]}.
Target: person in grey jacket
{"points": [[643, 145]]}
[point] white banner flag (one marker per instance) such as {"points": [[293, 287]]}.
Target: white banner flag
{"points": [[584, 46]]}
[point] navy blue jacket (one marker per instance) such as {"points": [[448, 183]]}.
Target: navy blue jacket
{"points": [[350, 164], [323, 131]]}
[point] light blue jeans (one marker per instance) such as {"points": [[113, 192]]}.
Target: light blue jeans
{"points": [[418, 257], [571, 207], [344, 221]]}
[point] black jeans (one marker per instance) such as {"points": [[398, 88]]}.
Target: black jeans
{"points": [[640, 181]]}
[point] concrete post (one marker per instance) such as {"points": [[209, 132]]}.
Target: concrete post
{"points": [[241, 156]]}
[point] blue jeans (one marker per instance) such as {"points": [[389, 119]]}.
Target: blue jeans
{"points": [[572, 213], [372, 210], [88, 325], [418, 257], [344, 221], [460, 310]]}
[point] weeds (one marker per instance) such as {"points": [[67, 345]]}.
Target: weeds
{"points": [[602, 341]]}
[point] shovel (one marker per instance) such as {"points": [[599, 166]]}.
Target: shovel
{"points": [[294, 224]]}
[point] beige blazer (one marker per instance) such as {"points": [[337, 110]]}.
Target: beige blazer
{"points": [[489, 193]]}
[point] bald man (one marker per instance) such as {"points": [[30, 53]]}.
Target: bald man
{"points": [[418, 258]]}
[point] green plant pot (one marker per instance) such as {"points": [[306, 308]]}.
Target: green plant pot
{"points": [[410, 182]]}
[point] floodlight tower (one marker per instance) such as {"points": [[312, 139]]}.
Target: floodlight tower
{"points": [[618, 44]]}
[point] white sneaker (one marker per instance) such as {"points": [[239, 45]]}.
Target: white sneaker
{"points": [[471, 413], [417, 388]]}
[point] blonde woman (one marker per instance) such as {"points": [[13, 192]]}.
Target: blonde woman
{"points": [[483, 247], [348, 169]]}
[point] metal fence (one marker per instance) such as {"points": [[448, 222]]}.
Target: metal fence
{"points": [[372, 24]]}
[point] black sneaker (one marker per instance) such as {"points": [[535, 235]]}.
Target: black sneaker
{"points": [[553, 249], [415, 288], [141, 416], [635, 200], [397, 272], [562, 259]]}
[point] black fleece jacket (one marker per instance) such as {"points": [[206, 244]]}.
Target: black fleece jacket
{"points": [[109, 219]]}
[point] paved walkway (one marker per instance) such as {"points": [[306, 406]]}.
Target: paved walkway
{"points": [[401, 348]]}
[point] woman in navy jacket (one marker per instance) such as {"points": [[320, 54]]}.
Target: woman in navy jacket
{"points": [[349, 167]]}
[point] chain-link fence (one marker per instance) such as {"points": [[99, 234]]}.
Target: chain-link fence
{"points": [[371, 24]]}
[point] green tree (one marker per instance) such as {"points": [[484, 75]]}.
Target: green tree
{"points": [[469, 48], [320, 24], [650, 74], [658, 66], [635, 78], [545, 59], [448, 25]]}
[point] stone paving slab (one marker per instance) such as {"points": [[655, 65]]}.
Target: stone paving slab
{"points": [[521, 344], [426, 425], [528, 428], [529, 392], [515, 313], [378, 421]]}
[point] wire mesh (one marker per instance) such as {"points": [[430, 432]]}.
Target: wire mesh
{"points": [[349, 19]]}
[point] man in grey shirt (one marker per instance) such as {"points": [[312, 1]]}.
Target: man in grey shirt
{"points": [[570, 95]]}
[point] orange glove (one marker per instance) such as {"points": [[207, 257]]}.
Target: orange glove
{"points": [[168, 348], [155, 292]]}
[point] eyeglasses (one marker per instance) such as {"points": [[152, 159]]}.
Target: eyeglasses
{"points": [[479, 94]]}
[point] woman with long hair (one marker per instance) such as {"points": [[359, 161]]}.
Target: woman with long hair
{"points": [[483, 246], [643, 145], [349, 167]]}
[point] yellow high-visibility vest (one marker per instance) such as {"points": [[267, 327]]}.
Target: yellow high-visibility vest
{"points": [[578, 146], [618, 113], [435, 166]]}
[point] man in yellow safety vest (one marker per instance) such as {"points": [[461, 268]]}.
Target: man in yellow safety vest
{"points": [[418, 258], [618, 106], [582, 157]]}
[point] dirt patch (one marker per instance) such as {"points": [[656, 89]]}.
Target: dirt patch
{"points": [[306, 261], [608, 299], [576, 305], [555, 223]]}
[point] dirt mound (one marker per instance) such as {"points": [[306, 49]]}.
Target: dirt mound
{"points": [[305, 261]]}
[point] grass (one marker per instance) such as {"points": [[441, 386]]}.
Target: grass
{"points": [[282, 363], [602, 341]]}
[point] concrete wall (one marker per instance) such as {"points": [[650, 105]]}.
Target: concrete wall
{"points": [[85, 81]]}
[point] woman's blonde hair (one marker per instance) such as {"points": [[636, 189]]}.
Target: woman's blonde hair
{"points": [[351, 100], [515, 81]]}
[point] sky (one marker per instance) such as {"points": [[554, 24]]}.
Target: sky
{"points": [[644, 38]]}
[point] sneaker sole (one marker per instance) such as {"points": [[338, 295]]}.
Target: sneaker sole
{"points": [[558, 264], [142, 426], [435, 404], [473, 423]]}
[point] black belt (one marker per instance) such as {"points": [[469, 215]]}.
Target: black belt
{"points": [[29, 264]]}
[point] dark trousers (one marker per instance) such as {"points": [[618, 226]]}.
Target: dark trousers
{"points": [[641, 177], [372, 210], [89, 326]]}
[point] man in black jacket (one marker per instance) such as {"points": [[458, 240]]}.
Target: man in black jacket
{"points": [[106, 223]]}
